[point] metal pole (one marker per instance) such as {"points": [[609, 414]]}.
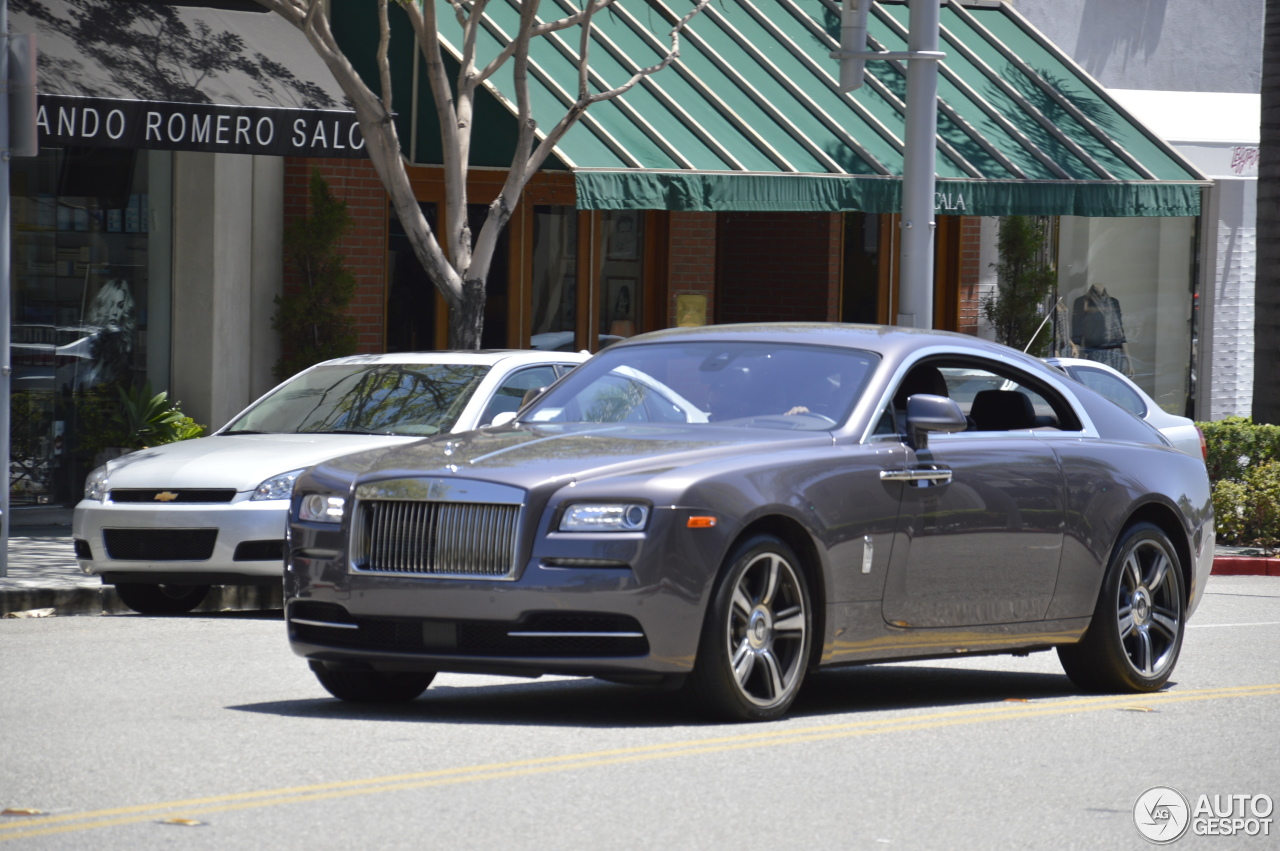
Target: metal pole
{"points": [[6, 368], [915, 283]]}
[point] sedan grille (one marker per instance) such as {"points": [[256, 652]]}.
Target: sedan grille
{"points": [[437, 538], [162, 496], [160, 544]]}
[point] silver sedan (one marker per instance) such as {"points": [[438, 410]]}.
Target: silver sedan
{"points": [[164, 524]]}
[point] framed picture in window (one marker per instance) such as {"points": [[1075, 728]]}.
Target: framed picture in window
{"points": [[624, 236]]}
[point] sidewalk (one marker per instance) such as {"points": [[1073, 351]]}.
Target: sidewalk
{"points": [[43, 574]]}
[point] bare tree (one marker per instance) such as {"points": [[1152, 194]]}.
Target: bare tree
{"points": [[1266, 333], [461, 272]]}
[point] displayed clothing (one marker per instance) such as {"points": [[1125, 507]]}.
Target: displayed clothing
{"points": [[1097, 328]]}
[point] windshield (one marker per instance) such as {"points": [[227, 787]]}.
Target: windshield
{"points": [[754, 385], [402, 399]]}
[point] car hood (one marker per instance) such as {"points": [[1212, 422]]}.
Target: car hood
{"points": [[526, 456], [240, 461]]}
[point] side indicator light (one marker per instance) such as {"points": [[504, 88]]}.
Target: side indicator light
{"points": [[701, 522]]}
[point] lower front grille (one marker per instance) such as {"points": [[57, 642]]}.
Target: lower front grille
{"points": [[259, 551], [437, 538], [160, 544], [539, 635], [161, 495]]}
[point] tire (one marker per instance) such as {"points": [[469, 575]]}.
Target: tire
{"points": [[756, 636], [369, 686], [161, 599], [1134, 638]]}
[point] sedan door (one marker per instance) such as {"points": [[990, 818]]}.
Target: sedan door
{"points": [[980, 529]]}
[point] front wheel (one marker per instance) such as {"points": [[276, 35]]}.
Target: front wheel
{"points": [[369, 686], [1134, 638], [161, 599], [756, 637]]}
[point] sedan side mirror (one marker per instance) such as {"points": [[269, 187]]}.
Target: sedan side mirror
{"points": [[927, 413]]}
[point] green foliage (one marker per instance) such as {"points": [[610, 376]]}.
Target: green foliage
{"points": [[131, 418], [1023, 282], [313, 321], [1244, 469]]}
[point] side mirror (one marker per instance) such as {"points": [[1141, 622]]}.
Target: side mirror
{"points": [[927, 413], [503, 418]]}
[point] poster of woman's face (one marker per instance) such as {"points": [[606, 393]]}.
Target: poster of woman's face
{"points": [[114, 314]]}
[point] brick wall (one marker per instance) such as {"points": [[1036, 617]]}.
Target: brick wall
{"points": [[364, 247], [778, 267], [970, 273], [691, 260]]}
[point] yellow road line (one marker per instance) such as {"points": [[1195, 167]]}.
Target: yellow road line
{"points": [[44, 826]]}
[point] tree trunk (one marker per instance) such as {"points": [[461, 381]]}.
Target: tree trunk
{"points": [[1266, 321], [466, 318]]}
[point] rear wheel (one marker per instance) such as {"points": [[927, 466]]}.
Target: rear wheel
{"points": [[161, 599], [756, 637], [1133, 641], [369, 686]]}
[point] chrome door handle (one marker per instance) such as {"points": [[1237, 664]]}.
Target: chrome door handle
{"points": [[934, 475]]}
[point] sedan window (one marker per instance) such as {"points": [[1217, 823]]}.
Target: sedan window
{"points": [[400, 399], [1110, 386]]}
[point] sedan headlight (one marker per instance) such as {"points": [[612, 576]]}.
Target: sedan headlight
{"points": [[95, 485], [604, 517], [277, 487], [318, 508]]}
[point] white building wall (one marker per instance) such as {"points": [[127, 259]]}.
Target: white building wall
{"points": [[228, 214]]}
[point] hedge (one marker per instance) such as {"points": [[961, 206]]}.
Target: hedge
{"points": [[1244, 470]]}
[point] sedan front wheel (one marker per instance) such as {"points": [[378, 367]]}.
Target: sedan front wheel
{"points": [[1134, 638], [755, 641], [161, 599]]}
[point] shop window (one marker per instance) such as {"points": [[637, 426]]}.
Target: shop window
{"points": [[411, 296], [1126, 299], [554, 317], [90, 310], [621, 280]]}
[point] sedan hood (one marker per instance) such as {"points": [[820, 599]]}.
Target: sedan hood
{"points": [[526, 455], [234, 461]]}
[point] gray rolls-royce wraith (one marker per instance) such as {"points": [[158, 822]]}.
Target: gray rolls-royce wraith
{"points": [[726, 508]]}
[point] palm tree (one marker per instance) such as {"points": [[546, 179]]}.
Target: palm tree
{"points": [[1266, 328]]}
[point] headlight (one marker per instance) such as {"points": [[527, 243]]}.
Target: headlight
{"points": [[95, 485], [605, 517], [318, 508], [277, 487]]}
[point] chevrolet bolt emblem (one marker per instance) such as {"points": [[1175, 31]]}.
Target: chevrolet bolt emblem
{"points": [[166, 496]]}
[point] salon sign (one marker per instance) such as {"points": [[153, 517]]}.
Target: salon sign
{"points": [[158, 125]]}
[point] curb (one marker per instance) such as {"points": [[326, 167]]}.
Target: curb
{"points": [[1246, 566], [103, 600]]}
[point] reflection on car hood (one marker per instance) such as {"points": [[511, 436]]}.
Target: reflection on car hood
{"points": [[235, 461], [527, 455]]}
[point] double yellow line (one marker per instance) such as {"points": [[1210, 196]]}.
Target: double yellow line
{"points": [[773, 735]]}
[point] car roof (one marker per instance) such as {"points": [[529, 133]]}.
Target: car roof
{"points": [[479, 357]]}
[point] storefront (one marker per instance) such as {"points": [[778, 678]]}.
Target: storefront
{"points": [[740, 184], [163, 130]]}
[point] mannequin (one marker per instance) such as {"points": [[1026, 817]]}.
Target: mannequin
{"points": [[1097, 329]]}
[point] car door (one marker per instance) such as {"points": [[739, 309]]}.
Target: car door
{"points": [[980, 530]]}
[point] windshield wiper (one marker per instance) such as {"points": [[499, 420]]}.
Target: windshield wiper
{"points": [[245, 431]]}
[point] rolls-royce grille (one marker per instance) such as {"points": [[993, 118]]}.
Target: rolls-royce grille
{"points": [[437, 538], [162, 496], [160, 544]]}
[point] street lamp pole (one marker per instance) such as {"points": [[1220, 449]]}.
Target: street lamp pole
{"points": [[919, 157], [919, 165]]}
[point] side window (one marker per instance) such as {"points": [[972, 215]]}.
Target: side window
{"points": [[1112, 387], [510, 393], [1000, 401]]}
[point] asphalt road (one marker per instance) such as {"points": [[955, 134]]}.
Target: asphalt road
{"points": [[115, 726]]}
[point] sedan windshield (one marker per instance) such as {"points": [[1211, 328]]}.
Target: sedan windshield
{"points": [[749, 384], [400, 399]]}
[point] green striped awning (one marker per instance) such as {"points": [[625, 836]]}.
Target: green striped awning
{"points": [[751, 117]]}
